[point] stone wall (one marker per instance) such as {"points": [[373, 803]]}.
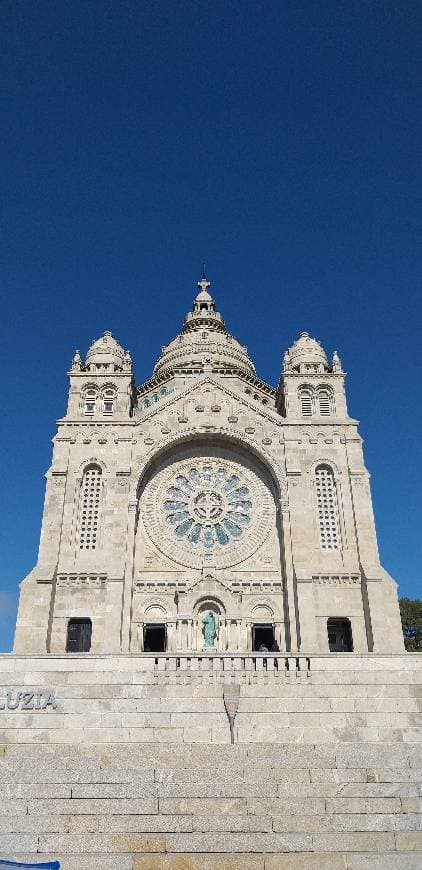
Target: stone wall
{"points": [[118, 762]]}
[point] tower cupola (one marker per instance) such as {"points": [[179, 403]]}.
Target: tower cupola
{"points": [[105, 354], [306, 355]]}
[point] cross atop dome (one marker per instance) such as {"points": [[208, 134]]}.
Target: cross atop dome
{"points": [[203, 284], [204, 301]]}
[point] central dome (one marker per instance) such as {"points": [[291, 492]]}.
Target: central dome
{"points": [[204, 345]]}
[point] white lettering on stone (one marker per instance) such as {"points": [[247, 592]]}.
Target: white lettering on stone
{"points": [[50, 701], [29, 699]]}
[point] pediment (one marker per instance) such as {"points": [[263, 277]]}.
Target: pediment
{"points": [[208, 582], [207, 395]]}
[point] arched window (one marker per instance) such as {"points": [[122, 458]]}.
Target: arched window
{"points": [[79, 632], [155, 629], [305, 401], [89, 400], [324, 401], [89, 508], [327, 506], [109, 396]]}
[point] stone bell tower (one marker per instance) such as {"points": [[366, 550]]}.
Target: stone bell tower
{"points": [[102, 387]]}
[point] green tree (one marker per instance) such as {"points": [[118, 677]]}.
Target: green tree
{"points": [[411, 620]]}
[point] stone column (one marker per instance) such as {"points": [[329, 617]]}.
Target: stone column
{"points": [[223, 635], [140, 637], [279, 637], [243, 636], [128, 577], [286, 538]]}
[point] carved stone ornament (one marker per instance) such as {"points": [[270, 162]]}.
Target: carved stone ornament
{"points": [[82, 581], [284, 494], [336, 579], [59, 481], [205, 507]]}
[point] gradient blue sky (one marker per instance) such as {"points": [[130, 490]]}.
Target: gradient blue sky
{"points": [[279, 141]]}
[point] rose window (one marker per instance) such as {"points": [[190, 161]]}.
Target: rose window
{"points": [[208, 506]]}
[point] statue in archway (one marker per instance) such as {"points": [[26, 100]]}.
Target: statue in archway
{"points": [[210, 630]]}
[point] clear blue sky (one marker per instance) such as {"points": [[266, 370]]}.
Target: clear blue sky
{"points": [[279, 141]]}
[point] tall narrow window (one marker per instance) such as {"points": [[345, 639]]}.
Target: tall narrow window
{"points": [[89, 508], [109, 396], [90, 400], [79, 633], [305, 400], [327, 505], [324, 402]]}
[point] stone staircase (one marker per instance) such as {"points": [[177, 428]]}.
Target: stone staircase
{"points": [[129, 765]]}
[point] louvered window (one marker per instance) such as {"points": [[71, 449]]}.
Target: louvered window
{"points": [[90, 508], [90, 400], [324, 403], [109, 396], [305, 399], [327, 506]]}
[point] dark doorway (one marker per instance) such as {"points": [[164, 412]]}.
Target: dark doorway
{"points": [[79, 632], [263, 639], [339, 635], [155, 638]]}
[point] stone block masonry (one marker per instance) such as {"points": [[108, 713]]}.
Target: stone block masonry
{"points": [[235, 692], [205, 497], [131, 767]]}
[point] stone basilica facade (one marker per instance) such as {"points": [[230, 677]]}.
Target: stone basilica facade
{"points": [[206, 510]]}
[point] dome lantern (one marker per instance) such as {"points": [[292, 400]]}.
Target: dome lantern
{"points": [[203, 301]]}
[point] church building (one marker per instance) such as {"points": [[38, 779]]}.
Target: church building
{"points": [[205, 510]]}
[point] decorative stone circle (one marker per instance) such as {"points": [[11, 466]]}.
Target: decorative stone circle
{"points": [[207, 510]]}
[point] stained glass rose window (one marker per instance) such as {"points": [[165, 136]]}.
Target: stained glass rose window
{"points": [[208, 505]]}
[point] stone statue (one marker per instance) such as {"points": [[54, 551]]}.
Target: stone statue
{"points": [[76, 362], [210, 624], [336, 366], [286, 362]]}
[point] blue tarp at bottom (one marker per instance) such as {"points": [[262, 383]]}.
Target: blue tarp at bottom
{"points": [[17, 865]]}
